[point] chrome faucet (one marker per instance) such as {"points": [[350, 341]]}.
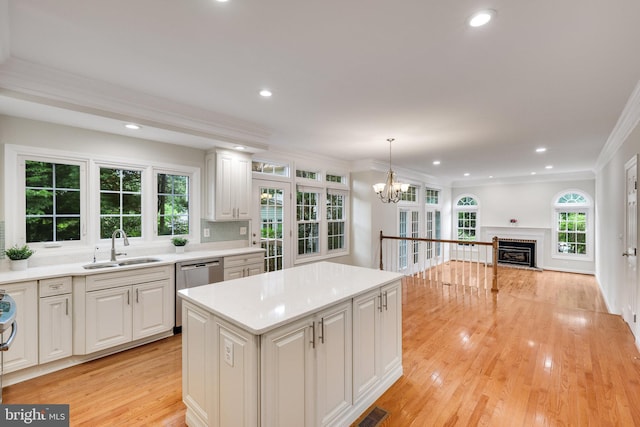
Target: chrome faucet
{"points": [[113, 242]]}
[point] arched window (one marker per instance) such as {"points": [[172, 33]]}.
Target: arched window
{"points": [[466, 211], [573, 219]]}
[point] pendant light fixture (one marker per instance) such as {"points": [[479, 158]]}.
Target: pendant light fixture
{"points": [[390, 190]]}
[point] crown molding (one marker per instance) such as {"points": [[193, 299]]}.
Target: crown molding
{"points": [[528, 179], [36, 83], [627, 122]]}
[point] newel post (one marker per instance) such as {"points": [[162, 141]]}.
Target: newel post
{"points": [[494, 286]]}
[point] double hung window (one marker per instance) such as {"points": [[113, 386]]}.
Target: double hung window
{"points": [[321, 213], [573, 230]]}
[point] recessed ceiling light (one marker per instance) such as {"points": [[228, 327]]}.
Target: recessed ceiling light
{"points": [[222, 1], [239, 147], [541, 150], [549, 167], [481, 18], [265, 93], [133, 126], [490, 176], [467, 174], [533, 173], [436, 162]]}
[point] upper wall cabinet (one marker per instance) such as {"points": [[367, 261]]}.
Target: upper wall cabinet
{"points": [[228, 185]]}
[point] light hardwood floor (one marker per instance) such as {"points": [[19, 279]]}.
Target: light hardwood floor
{"points": [[543, 351]]}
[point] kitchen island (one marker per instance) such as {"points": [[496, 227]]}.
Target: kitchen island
{"points": [[307, 346]]}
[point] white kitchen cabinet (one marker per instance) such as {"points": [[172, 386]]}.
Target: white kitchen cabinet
{"points": [[197, 352], [109, 318], [220, 371], [24, 350], [307, 369], [279, 346], [152, 308], [228, 185], [377, 337], [55, 319], [126, 306], [245, 265]]}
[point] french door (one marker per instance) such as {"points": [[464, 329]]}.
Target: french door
{"points": [[271, 222], [630, 308], [408, 251]]}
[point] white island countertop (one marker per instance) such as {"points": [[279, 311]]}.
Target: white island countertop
{"points": [[263, 302]]}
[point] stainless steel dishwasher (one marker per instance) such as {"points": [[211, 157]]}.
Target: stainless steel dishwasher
{"points": [[192, 273]]}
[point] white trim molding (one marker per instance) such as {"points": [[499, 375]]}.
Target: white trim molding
{"points": [[627, 122], [27, 81]]}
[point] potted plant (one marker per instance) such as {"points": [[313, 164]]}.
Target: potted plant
{"points": [[179, 243], [19, 256]]}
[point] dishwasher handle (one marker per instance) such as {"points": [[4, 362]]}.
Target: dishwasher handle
{"points": [[199, 265]]}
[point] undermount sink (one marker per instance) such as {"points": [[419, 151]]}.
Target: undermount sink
{"points": [[134, 261], [97, 265], [122, 263]]}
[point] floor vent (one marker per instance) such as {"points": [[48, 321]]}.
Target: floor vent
{"points": [[374, 418]]}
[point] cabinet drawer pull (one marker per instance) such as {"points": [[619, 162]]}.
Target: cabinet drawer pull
{"points": [[380, 305], [56, 286], [313, 335], [128, 297], [137, 296], [66, 306], [321, 331], [385, 301]]}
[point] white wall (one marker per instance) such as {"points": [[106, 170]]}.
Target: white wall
{"points": [[532, 205], [610, 226]]}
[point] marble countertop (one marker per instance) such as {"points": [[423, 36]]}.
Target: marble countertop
{"points": [[263, 302], [76, 269]]}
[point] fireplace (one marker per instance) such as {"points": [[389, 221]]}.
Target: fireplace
{"points": [[519, 252]]}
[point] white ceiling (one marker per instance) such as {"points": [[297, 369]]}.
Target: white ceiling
{"points": [[347, 75]]}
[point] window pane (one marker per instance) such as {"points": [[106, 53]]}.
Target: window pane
{"points": [[68, 228], [120, 202], [173, 204], [68, 202], [51, 191], [39, 202], [39, 229], [67, 176], [38, 174], [109, 203]]}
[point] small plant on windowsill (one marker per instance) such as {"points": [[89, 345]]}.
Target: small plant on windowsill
{"points": [[19, 256], [179, 243]]}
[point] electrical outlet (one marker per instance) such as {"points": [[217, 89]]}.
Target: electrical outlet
{"points": [[228, 352], [207, 232], [243, 231]]}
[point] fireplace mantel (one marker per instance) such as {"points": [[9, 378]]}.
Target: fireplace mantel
{"points": [[517, 232]]}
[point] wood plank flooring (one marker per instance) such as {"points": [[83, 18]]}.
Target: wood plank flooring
{"points": [[543, 351]]}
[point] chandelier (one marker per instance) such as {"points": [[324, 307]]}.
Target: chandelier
{"points": [[390, 190]]}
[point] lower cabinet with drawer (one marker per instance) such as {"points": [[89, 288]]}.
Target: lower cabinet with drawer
{"points": [[238, 266], [125, 306], [55, 318]]}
